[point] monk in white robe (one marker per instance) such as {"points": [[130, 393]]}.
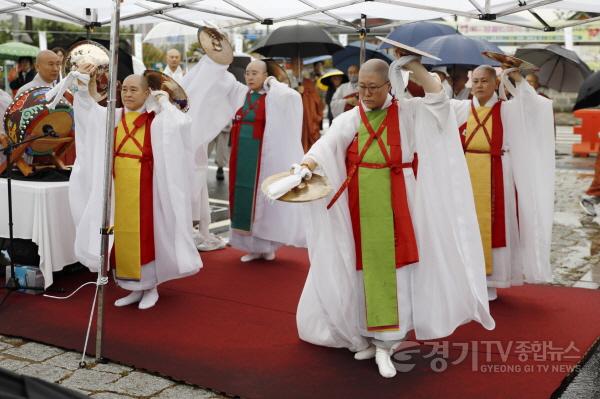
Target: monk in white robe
{"points": [[173, 68], [265, 139], [48, 67], [346, 96], [152, 199], [509, 147], [389, 252]]}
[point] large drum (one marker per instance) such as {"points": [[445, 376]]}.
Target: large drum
{"points": [[28, 116]]}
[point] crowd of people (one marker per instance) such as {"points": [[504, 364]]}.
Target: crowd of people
{"points": [[438, 198]]}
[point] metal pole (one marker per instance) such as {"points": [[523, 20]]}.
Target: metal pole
{"points": [[363, 38], [110, 127]]}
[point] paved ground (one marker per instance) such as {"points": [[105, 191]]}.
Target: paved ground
{"points": [[575, 259]]}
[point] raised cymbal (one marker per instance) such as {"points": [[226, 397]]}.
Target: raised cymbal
{"points": [[407, 49], [510, 61], [309, 190], [215, 45]]}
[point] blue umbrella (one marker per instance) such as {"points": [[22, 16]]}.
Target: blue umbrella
{"points": [[414, 33], [457, 49], [350, 55], [312, 60]]}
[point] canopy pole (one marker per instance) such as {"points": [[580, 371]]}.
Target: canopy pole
{"points": [[362, 33], [108, 171]]}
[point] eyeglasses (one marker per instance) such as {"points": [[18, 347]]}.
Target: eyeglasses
{"points": [[371, 89]]}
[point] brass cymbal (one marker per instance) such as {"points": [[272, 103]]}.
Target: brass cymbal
{"points": [[510, 61], [309, 190], [215, 45], [88, 51], [406, 48], [159, 81], [274, 69]]}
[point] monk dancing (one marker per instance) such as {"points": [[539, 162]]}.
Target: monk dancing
{"points": [[509, 147], [152, 205], [265, 139], [389, 252]]}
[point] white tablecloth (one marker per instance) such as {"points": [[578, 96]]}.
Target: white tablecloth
{"points": [[41, 213]]}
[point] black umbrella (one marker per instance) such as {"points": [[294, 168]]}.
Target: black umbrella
{"points": [[560, 69], [297, 41], [589, 92]]}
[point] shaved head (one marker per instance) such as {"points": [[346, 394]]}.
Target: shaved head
{"points": [[256, 74], [373, 83], [136, 80], [377, 67], [258, 65], [48, 65], [45, 55], [173, 51], [173, 58], [485, 69]]}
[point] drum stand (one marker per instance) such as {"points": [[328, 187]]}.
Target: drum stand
{"points": [[13, 284]]}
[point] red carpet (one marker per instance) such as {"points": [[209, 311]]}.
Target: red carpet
{"points": [[232, 328]]}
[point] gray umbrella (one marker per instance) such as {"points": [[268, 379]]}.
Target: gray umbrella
{"points": [[560, 69]]}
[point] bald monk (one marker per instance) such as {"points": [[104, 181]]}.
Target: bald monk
{"points": [[265, 139], [152, 199], [173, 68], [391, 253], [48, 67], [509, 147]]}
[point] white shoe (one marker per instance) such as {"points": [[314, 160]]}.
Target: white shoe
{"points": [[149, 299], [132, 298], [268, 256], [251, 256], [365, 354], [384, 363], [492, 294], [212, 243]]}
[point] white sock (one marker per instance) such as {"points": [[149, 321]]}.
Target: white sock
{"points": [[133, 297], [268, 255], [384, 363], [368, 353], [149, 299], [251, 256]]}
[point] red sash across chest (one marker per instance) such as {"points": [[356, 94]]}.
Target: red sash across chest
{"points": [[404, 237], [495, 140]]}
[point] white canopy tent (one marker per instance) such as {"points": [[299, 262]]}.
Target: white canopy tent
{"points": [[338, 12]]}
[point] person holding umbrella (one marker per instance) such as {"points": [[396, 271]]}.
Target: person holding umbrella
{"points": [[509, 147], [346, 96], [265, 138]]}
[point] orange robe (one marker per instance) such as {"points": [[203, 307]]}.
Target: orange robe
{"points": [[312, 115]]}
